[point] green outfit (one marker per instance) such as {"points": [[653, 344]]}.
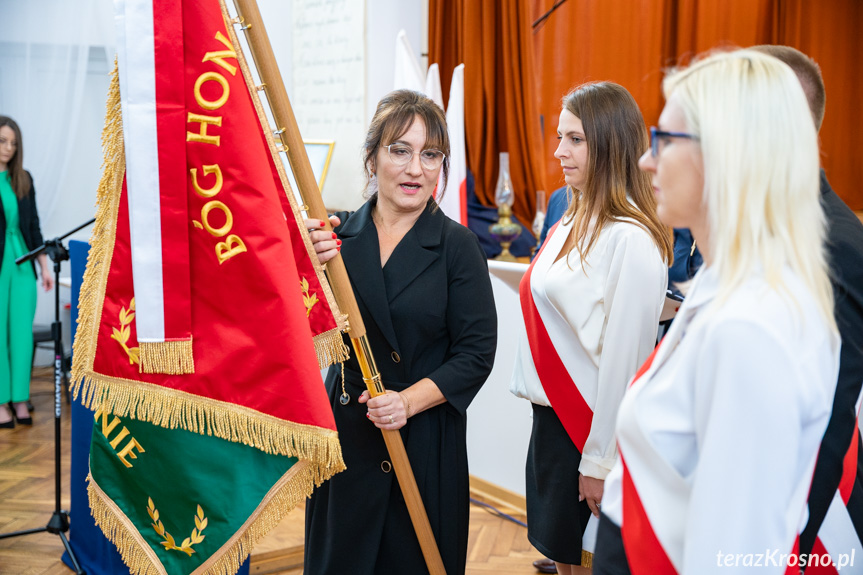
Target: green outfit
{"points": [[17, 305]]}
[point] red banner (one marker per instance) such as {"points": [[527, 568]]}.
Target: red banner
{"points": [[255, 289]]}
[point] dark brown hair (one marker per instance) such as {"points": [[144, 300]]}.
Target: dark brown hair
{"points": [[807, 71], [19, 179], [393, 118], [616, 138]]}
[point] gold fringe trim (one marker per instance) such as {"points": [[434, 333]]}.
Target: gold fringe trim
{"points": [[92, 293], [295, 486], [119, 530], [174, 409], [331, 348], [171, 357], [586, 559]]}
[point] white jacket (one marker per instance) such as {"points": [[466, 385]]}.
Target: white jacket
{"points": [[602, 321], [721, 433]]}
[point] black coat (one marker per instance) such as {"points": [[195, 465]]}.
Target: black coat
{"points": [[845, 256], [428, 313], [28, 221]]}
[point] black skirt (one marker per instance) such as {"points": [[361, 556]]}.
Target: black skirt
{"points": [[555, 517], [610, 556]]}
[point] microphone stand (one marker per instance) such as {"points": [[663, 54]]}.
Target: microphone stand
{"points": [[59, 522]]}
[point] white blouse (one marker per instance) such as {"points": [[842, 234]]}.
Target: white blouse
{"points": [[602, 321], [721, 433]]}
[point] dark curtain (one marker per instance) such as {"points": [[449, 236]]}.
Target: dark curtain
{"points": [[495, 43], [515, 76]]}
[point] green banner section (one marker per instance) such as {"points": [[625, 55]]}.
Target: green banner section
{"points": [[176, 502]]}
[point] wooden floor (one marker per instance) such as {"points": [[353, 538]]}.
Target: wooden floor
{"points": [[27, 500]]}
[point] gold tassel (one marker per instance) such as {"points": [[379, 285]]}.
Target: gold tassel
{"points": [[331, 348], [171, 357], [586, 559]]}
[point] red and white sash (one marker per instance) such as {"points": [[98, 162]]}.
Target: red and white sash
{"points": [[837, 535], [643, 549], [645, 553], [543, 324]]}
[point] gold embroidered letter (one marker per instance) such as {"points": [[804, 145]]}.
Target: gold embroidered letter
{"points": [[133, 444], [201, 135], [220, 80], [229, 219], [217, 187], [116, 441], [106, 428], [218, 57], [227, 249]]}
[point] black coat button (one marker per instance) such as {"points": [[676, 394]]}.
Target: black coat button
{"points": [[386, 466], [395, 357]]}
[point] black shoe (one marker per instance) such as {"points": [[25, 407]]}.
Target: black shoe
{"points": [[8, 425], [22, 420], [545, 566], [29, 406]]}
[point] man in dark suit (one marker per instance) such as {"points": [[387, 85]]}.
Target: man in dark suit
{"points": [[845, 255]]}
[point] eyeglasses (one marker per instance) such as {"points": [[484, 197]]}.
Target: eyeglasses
{"points": [[657, 136], [401, 155]]}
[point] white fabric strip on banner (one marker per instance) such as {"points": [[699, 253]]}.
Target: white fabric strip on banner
{"points": [[136, 51]]}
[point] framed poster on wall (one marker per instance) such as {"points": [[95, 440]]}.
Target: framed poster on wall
{"points": [[320, 153]]}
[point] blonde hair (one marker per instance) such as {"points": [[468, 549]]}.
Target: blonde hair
{"points": [[761, 170], [616, 137]]}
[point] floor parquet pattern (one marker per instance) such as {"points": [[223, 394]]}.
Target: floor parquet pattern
{"points": [[27, 485], [496, 545]]}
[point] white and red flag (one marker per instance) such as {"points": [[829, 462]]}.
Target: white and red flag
{"points": [[408, 75], [454, 200]]}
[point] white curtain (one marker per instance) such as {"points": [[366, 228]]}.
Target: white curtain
{"points": [[55, 57]]}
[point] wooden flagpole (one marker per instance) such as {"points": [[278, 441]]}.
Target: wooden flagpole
{"points": [[268, 71]]}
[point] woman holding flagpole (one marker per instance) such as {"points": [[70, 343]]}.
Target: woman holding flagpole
{"points": [[719, 432], [425, 296], [19, 233], [591, 302]]}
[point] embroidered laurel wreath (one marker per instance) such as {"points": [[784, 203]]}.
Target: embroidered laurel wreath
{"points": [[169, 543], [309, 300], [122, 335]]}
